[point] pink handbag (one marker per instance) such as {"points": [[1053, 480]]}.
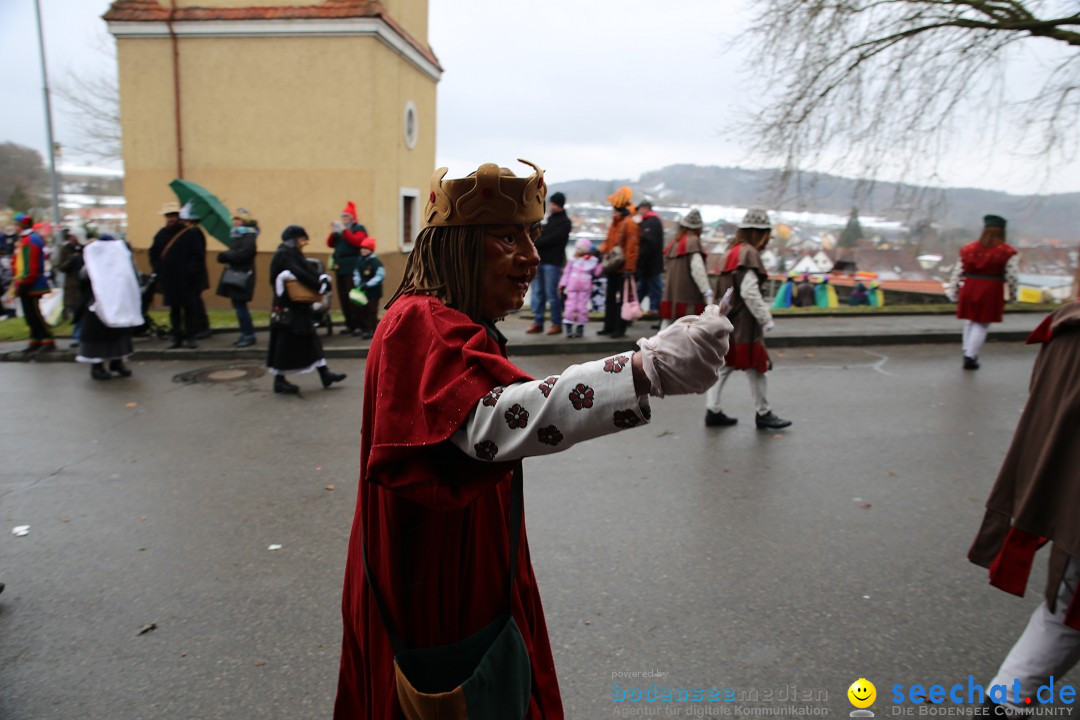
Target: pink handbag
{"points": [[631, 308]]}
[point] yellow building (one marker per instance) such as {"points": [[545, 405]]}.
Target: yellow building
{"points": [[288, 108]]}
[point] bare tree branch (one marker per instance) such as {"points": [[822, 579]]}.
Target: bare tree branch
{"points": [[865, 86]]}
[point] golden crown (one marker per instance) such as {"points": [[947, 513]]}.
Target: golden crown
{"points": [[490, 196]]}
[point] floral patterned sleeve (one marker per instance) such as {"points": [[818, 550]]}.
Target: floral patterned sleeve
{"points": [[952, 288], [547, 415], [1012, 277]]}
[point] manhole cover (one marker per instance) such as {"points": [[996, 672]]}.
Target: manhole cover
{"points": [[221, 374]]}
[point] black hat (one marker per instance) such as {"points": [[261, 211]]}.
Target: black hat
{"points": [[293, 232], [557, 198], [645, 204], [994, 221]]}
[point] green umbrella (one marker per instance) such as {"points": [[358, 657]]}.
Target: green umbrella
{"points": [[210, 212]]}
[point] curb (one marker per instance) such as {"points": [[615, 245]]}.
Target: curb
{"points": [[593, 347]]}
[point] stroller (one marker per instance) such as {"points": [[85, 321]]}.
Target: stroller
{"points": [[322, 316], [150, 327]]}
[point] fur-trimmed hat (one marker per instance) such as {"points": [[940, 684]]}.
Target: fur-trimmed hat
{"points": [[369, 243], [621, 198], [350, 210], [756, 219], [692, 220], [994, 221], [489, 196], [293, 232]]}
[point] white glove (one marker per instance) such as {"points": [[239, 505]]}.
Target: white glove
{"points": [[769, 326], [685, 358], [324, 284]]}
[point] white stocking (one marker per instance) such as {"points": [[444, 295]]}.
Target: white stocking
{"points": [[712, 395], [976, 336]]}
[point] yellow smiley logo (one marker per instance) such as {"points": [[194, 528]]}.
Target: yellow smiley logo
{"points": [[862, 693]]}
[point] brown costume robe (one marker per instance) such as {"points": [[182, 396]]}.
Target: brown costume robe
{"points": [[747, 349], [1037, 493], [681, 293]]}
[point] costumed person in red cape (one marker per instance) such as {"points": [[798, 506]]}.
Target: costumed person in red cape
{"points": [[1035, 501], [978, 282], [686, 286], [744, 273], [438, 554]]}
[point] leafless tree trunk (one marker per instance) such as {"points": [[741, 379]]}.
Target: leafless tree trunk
{"points": [[883, 87]]}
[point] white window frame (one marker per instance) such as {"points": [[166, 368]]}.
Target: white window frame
{"points": [[407, 245]]}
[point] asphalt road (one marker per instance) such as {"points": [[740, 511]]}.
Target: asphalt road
{"points": [[726, 558]]}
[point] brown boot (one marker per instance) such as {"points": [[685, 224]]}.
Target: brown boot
{"points": [[555, 330], [534, 329]]}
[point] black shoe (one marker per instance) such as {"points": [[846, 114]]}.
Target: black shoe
{"points": [[117, 366], [191, 344], [769, 421], [29, 349], [654, 326], [718, 419], [176, 344], [48, 347], [603, 332], [971, 363], [244, 342], [366, 335], [329, 378], [357, 333], [284, 387], [98, 372], [203, 334]]}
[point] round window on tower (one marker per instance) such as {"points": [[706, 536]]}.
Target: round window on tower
{"points": [[411, 125]]}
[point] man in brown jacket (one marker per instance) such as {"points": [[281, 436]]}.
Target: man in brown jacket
{"points": [[623, 238], [1035, 500]]}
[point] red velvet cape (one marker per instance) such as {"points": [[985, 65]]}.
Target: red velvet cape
{"points": [[435, 521]]}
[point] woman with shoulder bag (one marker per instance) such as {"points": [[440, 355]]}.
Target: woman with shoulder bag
{"points": [[622, 239], [294, 345], [238, 278]]}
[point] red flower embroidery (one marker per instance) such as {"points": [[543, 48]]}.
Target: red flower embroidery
{"points": [[615, 364], [549, 435], [546, 385], [581, 396], [493, 397], [517, 417], [486, 450], [626, 418]]}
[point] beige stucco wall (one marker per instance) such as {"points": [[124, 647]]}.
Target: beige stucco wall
{"points": [[290, 128], [411, 15]]}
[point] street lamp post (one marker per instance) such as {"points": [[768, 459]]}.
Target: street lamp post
{"points": [[48, 119]]}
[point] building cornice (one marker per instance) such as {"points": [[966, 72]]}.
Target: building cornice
{"points": [[380, 28]]}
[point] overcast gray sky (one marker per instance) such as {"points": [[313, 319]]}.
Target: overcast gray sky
{"points": [[593, 89]]}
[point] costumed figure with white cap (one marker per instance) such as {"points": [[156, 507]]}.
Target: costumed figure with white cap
{"points": [[442, 616], [743, 272], [1034, 501], [686, 283], [985, 269], [298, 294], [111, 284], [576, 281]]}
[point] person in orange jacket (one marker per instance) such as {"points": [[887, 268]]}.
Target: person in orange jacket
{"points": [[624, 234]]}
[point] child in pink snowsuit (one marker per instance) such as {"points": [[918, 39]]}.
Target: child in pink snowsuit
{"points": [[577, 279]]}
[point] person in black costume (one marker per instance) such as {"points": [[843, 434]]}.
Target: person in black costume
{"points": [[294, 344]]}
